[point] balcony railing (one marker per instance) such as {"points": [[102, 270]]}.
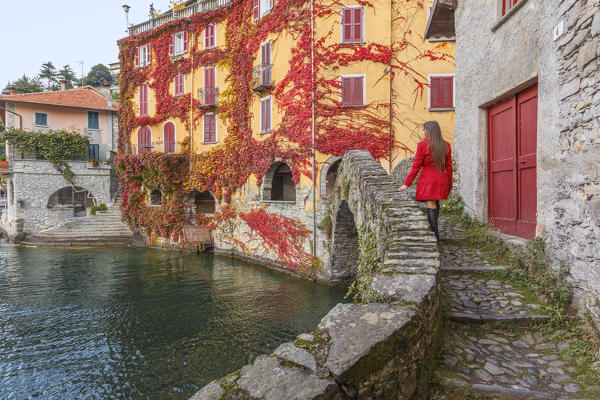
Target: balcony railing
{"points": [[262, 78], [186, 12], [157, 147], [208, 97]]}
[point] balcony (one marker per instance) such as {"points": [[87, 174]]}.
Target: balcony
{"points": [[159, 147], [186, 12], [262, 79], [208, 97]]}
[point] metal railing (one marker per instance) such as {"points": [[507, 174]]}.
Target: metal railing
{"points": [[186, 12], [208, 97], [156, 147], [262, 77]]}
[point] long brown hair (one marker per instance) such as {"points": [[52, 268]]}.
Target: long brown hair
{"points": [[437, 145]]}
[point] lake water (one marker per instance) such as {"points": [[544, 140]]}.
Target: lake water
{"points": [[121, 323]]}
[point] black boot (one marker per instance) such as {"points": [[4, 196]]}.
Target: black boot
{"points": [[432, 217]]}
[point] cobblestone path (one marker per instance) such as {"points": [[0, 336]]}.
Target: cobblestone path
{"points": [[492, 347]]}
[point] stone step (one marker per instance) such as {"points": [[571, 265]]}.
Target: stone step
{"points": [[516, 319], [504, 393], [473, 268]]}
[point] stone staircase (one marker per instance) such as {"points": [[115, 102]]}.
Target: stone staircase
{"points": [[103, 229]]}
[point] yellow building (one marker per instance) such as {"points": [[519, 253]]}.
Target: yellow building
{"points": [[255, 89]]}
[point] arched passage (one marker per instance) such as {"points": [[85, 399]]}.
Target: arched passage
{"points": [[328, 176], [344, 245], [205, 202], [78, 198], [278, 183]]}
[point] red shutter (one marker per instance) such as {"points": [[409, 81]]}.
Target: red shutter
{"points": [[144, 99], [357, 24], [210, 128], [441, 92], [137, 56], [263, 116], [435, 86], [357, 98], [169, 137], [185, 41], [447, 89], [172, 44], [256, 9], [347, 92], [268, 114], [346, 25], [148, 54]]}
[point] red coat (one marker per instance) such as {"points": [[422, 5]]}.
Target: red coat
{"points": [[432, 184]]}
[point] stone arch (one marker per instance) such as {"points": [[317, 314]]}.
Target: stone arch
{"points": [[278, 183], [205, 202], [328, 176], [344, 244], [155, 197], [76, 197]]}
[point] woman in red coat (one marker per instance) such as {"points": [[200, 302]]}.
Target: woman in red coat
{"points": [[434, 160]]}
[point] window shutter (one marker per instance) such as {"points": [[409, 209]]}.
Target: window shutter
{"points": [[210, 131], [434, 92], [346, 25], [148, 54], [357, 99], [357, 24], [268, 113], [185, 41], [256, 9], [447, 89], [172, 44], [347, 91], [137, 56]]}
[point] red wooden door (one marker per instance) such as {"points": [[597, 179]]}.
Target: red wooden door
{"points": [[512, 140], [526, 166]]}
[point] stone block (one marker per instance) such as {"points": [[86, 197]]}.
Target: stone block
{"points": [[595, 24], [570, 88], [289, 352], [405, 288], [212, 391], [587, 53], [594, 210]]}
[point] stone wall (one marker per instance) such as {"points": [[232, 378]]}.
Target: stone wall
{"points": [[34, 181], [381, 350], [571, 223]]}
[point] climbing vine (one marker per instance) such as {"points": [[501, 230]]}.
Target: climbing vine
{"points": [[56, 146], [228, 166]]}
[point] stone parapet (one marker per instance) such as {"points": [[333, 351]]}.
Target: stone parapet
{"points": [[377, 350]]}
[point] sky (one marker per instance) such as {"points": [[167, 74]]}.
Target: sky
{"points": [[64, 32]]}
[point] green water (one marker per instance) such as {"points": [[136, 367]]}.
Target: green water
{"points": [[140, 323]]}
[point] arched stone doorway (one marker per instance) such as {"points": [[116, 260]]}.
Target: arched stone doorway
{"points": [[75, 197], [205, 202], [278, 183], [344, 244], [328, 176]]}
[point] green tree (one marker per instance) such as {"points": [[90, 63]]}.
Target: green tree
{"points": [[24, 85], [98, 75], [67, 74], [49, 74]]}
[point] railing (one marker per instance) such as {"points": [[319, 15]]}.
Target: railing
{"points": [[208, 97], [186, 12], [157, 147], [18, 154], [262, 77]]}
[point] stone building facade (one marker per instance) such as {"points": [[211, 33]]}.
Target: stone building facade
{"points": [[551, 47]]}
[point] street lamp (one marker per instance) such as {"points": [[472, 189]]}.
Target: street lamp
{"points": [[126, 8]]}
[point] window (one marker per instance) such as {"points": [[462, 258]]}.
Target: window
{"points": [[352, 25], [265, 58], [144, 140], [41, 119], [178, 44], [144, 99], [261, 7], [353, 93], [210, 128], [179, 84], [283, 187], [210, 92], [441, 92], [169, 137], [507, 5], [93, 120], [265, 115], [143, 55], [209, 36], [93, 152], [155, 197]]}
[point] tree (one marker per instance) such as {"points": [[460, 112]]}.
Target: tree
{"points": [[49, 74], [98, 75], [67, 74], [24, 85]]}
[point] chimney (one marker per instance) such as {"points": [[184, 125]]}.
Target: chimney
{"points": [[63, 84], [12, 92]]}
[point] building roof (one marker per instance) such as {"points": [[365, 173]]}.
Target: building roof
{"points": [[84, 97]]}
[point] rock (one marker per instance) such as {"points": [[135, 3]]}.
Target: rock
{"points": [[289, 352], [212, 391], [571, 388], [493, 368], [355, 329], [406, 288], [587, 53], [268, 379], [483, 375], [306, 337]]}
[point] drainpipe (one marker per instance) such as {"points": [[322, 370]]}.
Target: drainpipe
{"points": [[391, 85], [314, 155], [188, 22]]}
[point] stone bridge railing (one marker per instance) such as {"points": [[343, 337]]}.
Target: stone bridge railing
{"points": [[377, 350]]}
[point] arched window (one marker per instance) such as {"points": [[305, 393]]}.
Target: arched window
{"points": [[155, 197], [205, 202], [169, 137], [144, 140], [283, 187], [331, 177]]}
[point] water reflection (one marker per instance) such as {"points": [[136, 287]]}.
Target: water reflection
{"points": [[140, 323]]}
